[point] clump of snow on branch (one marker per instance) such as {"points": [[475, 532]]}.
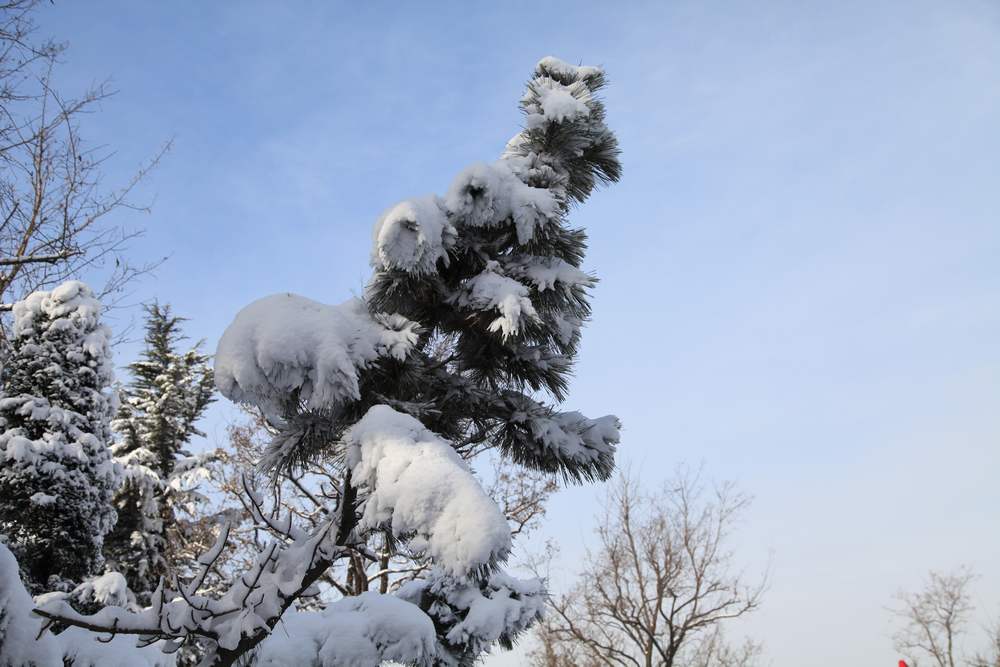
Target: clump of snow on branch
{"points": [[42, 499], [486, 195], [109, 589], [492, 290], [506, 607], [368, 629], [413, 235], [418, 485], [286, 344], [556, 102], [549, 272], [572, 436], [563, 70]]}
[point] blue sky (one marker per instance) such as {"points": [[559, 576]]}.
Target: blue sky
{"points": [[800, 284]]}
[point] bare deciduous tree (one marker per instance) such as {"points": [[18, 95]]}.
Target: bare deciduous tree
{"points": [[936, 617], [53, 205], [659, 586]]}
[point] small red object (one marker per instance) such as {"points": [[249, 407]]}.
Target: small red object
{"points": [[902, 663]]}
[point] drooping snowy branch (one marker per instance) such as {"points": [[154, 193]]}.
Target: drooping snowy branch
{"points": [[565, 442], [409, 482], [23, 640]]}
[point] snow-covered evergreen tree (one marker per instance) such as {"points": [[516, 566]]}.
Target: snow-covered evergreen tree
{"points": [[57, 476], [472, 316], [168, 393]]}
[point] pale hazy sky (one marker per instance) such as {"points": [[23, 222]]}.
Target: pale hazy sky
{"points": [[800, 274]]}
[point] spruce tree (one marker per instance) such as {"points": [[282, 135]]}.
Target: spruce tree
{"points": [[168, 393], [57, 476]]}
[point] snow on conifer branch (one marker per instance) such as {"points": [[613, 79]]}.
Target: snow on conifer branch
{"points": [[286, 347], [415, 485]]}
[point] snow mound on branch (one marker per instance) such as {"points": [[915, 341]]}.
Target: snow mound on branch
{"points": [[492, 290], [368, 629], [412, 235], [486, 195], [559, 93], [559, 68], [42, 499], [286, 343], [419, 488], [18, 626], [109, 589]]}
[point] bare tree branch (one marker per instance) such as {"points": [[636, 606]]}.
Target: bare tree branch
{"points": [[55, 213]]}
